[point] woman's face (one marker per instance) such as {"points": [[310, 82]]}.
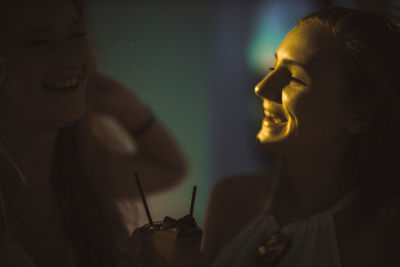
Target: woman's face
{"points": [[303, 94], [45, 48]]}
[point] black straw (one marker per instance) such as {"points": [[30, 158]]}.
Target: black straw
{"points": [[144, 199], [193, 198]]}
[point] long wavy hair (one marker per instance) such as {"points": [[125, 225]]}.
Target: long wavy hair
{"points": [[87, 221], [370, 45]]}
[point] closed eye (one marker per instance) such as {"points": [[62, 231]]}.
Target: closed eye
{"points": [[297, 80], [293, 79], [39, 42]]}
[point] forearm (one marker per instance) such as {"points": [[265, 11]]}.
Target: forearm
{"points": [[158, 159], [156, 145], [158, 171]]}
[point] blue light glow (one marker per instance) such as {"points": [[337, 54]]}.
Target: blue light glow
{"points": [[273, 20]]}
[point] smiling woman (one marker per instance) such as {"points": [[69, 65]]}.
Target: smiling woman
{"points": [[331, 120], [303, 88], [71, 140], [47, 54]]}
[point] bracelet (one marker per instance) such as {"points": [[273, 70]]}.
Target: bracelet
{"points": [[146, 125]]}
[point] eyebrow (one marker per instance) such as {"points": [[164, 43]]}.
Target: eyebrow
{"points": [[44, 29], [290, 61]]}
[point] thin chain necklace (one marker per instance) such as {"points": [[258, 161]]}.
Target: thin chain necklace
{"points": [[46, 229], [25, 226]]}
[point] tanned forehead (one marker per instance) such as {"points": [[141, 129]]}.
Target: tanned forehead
{"points": [[303, 43]]}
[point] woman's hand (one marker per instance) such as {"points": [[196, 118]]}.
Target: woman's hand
{"points": [[111, 154], [146, 248], [142, 252]]}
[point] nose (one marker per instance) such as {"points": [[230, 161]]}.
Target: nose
{"points": [[270, 87]]}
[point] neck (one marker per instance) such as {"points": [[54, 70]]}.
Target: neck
{"points": [[310, 182], [31, 148]]}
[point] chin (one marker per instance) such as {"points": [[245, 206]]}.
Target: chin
{"points": [[275, 139], [68, 119], [65, 109], [59, 118], [275, 146]]}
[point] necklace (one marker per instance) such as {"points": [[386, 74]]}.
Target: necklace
{"points": [[272, 249], [25, 226]]}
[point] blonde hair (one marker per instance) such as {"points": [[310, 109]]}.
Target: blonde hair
{"points": [[82, 9], [3, 150], [86, 220]]}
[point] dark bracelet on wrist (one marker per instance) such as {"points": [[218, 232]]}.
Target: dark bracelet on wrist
{"points": [[146, 125]]}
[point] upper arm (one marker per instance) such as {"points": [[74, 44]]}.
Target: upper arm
{"points": [[111, 157], [232, 204], [110, 133], [157, 144], [112, 97]]}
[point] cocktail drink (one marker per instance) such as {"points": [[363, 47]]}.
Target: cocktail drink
{"points": [[172, 237], [175, 241]]}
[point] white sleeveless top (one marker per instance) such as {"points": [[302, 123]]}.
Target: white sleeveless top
{"points": [[312, 242], [12, 254]]}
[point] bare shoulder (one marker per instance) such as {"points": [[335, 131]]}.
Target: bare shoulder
{"points": [[232, 204]]}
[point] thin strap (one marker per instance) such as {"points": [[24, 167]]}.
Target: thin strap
{"points": [[3, 217]]}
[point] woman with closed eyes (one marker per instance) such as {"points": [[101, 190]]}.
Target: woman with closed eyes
{"points": [[71, 140], [332, 121]]}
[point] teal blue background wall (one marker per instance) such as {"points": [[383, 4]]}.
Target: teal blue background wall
{"points": [[195, 63], [161, 52]]}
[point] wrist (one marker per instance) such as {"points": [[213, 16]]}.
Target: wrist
{"points": [[146, 125]]}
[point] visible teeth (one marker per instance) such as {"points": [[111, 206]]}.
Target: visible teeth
{"points": [[71, 82], [66, 83], [273, 118], [276, 120]]}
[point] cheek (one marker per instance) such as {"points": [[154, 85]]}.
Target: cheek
{"points": [[23, 90], [297, 103], [30, 67], [24, 77], [317, 116]]}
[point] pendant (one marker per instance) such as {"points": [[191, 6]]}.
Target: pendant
{"points": [[269, 251]]}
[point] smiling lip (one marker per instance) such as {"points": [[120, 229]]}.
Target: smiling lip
{"points": [[270, 123], [66, 83], [273, 118]]}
